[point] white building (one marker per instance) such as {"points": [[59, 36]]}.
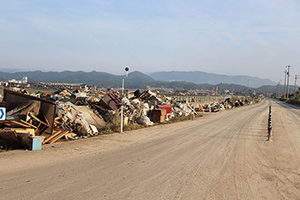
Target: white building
{"points": [[24, 80]]}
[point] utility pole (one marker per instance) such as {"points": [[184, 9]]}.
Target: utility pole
{"points": [[279, 89], [288, 79], [284, 90], [248, 87], [296, 77]]}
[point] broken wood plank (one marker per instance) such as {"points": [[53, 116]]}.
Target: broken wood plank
{"points": [[52, 136], [15, 122], [58, 137], [37, 119], [31, 125]]}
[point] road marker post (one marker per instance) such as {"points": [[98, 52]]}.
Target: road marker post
{"points": [[2, 113], [269, 125]]}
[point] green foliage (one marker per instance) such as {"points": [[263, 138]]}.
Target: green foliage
{"points": [[295, 100], [282, 98]]}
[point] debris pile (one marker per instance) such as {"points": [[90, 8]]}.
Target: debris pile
{"points": [[44, 118]]}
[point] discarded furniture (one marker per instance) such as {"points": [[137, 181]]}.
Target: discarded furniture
{"points": [[168, 108], [47, 107], [158, 115]]}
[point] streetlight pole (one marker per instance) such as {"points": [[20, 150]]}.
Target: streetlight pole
{"points": [[122, 106]]}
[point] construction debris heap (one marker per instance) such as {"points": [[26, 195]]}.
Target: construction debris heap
{"points": [[37, 119]]}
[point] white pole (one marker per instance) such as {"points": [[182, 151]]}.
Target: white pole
{"points": [[122, 109]]}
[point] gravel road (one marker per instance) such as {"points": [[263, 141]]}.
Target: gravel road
{"points": [[222, 155]]}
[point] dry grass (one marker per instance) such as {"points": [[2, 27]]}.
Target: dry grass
{"points": [[113, 128]]}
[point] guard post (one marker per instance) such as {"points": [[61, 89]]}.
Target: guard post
{"points": [[269, 125]]}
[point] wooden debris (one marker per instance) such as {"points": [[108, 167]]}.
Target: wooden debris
{"points": [[18, 123], [69, 136], [56, 136], [57, 121], [42, 126]]}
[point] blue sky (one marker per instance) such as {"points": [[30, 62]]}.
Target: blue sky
{"points": [[234, 37]]}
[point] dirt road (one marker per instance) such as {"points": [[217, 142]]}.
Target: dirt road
{"points": [[223, 155]]}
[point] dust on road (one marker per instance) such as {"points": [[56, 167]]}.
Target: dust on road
{"points": [[223, 155]]}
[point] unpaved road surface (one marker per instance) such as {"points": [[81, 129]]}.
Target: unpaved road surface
{"points": [[223, 155]]}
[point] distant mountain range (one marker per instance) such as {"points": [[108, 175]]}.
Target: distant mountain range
{"points": [[199, 77], [91, 78], [174, 79]]}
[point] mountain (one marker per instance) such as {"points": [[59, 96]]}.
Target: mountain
{"points": [[134, 80], [139, 77], [273, 89], [91, 78], [199, 77]]}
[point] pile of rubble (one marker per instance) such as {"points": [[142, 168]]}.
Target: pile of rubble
{"points": [[36, 119]]}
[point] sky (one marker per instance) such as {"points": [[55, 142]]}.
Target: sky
{"points": [[234, 37]]}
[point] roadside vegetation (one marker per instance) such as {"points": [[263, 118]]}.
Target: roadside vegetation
{"points": [[295, 100], [115, 127]]}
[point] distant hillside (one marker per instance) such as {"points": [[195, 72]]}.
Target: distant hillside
{"points": [[94, 78], [134, 80], [273, 89], [199, 77]]}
